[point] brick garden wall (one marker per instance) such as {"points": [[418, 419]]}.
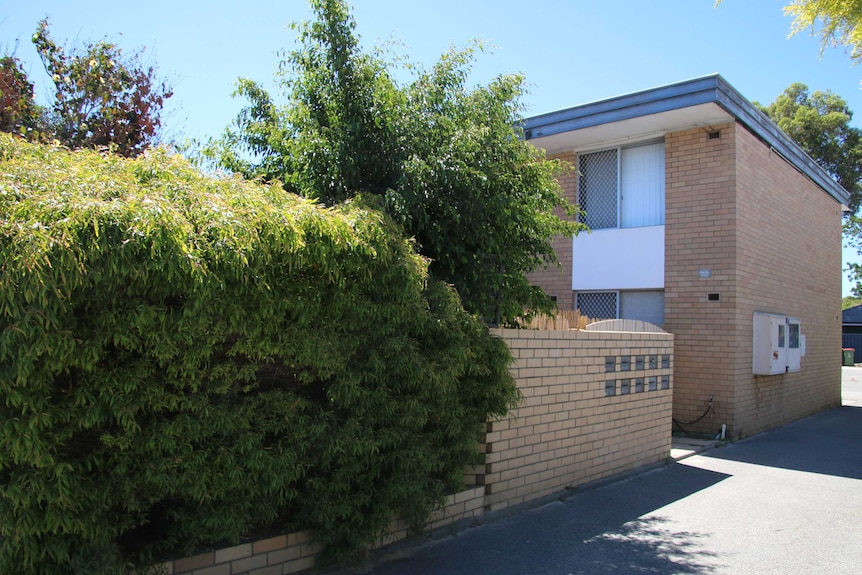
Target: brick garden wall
{"points": [[568, 431], [595, 404], [295, 552]]}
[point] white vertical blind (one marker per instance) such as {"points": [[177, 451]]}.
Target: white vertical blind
{"points": [[642, 186], [643, 305]]}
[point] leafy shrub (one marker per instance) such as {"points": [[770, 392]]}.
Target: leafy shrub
{"points": [[185, 360]]}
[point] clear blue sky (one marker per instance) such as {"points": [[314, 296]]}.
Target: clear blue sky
{"points": [[571, 52]]}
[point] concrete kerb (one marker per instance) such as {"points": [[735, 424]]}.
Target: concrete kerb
{"points": [[685, 447]]}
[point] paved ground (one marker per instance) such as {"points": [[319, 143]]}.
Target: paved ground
{"points": [[788, 501], [851, 386]]}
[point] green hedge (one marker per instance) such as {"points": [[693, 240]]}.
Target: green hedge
{"points": [[188, 360]]}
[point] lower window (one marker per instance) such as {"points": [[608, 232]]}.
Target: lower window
{"points": [[644, 305]]}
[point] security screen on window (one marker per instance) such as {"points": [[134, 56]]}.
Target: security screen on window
{"points": [[597, 305], [644, 305], [623, 187], [597, 188]]}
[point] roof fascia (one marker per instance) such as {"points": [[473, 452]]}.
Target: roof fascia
{"points": [[704, 90]]}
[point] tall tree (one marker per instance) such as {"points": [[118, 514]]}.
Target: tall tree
{"points": [[101, 97], [447, 161], [853, 239], [820, 123]]}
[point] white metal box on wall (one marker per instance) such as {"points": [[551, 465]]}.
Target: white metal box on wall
{"points": [[778, 344]]}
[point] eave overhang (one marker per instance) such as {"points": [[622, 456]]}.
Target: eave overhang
{"points": [[702, 101]]}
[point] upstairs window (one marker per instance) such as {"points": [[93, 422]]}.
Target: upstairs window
{"points": [[622, 187], [598, 182]]}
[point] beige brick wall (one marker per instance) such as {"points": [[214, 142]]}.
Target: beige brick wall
{"points": [[788, 262], [295, 552], [772, 242], [278, 555], [567, 432], [700, 224], [557, 281]]}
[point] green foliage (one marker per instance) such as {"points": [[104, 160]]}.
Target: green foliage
{"points": [[849, 301], [18, 110], [185, 360], [102, 98], [839, 22], [820, 123], [448, 161], [853, 238]]}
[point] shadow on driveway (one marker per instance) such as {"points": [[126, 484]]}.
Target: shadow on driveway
{"points": [[829, 443], [594, 532], [690, 517]]}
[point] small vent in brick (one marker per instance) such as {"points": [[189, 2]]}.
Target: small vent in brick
{"points": [[639, 385], [639, 363], [625, 386], [610, 387], [625, 363], [665, 382], [610, 363], [653, 383]]}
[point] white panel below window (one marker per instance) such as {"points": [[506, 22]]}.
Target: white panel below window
{"points": [[619, 259]]}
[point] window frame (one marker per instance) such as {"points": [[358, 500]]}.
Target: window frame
{"points": [[618, 297], [618, 152], [616, 294], [581, 195]]}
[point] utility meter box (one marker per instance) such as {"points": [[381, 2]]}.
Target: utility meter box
{"points": [[778, 344]]}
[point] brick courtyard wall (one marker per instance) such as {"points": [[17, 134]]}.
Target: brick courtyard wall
{"points": [[557, 281], [296, 552], [788, 262], [700, 224], [568, 431]]}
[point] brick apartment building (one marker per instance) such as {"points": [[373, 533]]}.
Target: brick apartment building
{"points": [[710, 222]]}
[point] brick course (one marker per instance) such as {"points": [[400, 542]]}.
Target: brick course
{"points": [[700, 225], [789, 262], [557, 281], [566, 432], [735, 206]]}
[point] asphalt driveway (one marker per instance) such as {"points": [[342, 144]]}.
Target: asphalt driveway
{"points": [[787, 501]]}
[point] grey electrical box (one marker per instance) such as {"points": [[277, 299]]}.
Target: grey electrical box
{"points": [[778, 344]]}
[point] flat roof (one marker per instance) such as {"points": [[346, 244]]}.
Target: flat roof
{"points": [[698, 102]]}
